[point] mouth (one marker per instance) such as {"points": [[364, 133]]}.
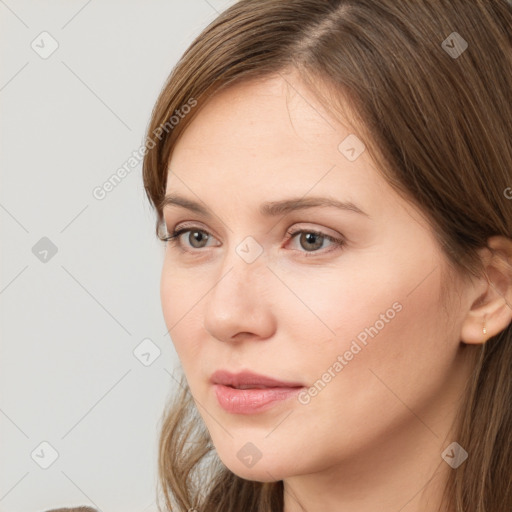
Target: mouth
{"points": [[252, 386], [250, 393], [250, 380]]}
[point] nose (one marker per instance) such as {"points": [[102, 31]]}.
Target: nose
{"points": [[239, 306]]}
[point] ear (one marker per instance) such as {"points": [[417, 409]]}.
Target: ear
{"points": [[492, 302]]}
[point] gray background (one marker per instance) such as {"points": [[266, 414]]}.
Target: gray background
{"points": [[70, 321]]}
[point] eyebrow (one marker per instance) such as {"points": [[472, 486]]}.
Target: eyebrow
{"points": [[270, 208]]}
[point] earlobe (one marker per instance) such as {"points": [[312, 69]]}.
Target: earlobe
{"points": [[486, 321], [491, 310]]}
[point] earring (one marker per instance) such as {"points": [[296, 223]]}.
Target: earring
{"points": [[484, 330]]}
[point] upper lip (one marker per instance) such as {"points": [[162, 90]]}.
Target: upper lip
{"points": [[248, 378]]}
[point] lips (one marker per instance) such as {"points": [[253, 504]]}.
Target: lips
{"points": [[249, 380], [250, 393]]}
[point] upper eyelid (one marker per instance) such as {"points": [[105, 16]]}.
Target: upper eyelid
{"points": [[185, 226], [291, 233]]}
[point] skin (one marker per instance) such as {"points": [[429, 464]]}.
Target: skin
{"points": [[372, 438]]}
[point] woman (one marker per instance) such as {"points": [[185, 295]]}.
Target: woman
{"points": [[334, 177]]}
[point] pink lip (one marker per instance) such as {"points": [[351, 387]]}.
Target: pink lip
{"points": [[249, 378], [251, 400]]}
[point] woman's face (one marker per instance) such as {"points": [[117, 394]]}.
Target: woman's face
{"points": [[359, 324]]}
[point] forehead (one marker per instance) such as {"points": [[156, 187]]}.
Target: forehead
{"points": [[273, 127], [263, 114], [270, 139]]}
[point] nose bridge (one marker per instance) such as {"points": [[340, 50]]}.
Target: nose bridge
{"points": [[241, 271]]}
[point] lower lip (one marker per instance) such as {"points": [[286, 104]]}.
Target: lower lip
{"points": [[251, 401]]}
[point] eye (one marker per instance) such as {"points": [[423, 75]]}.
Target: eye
{"points": [[310, 240], [196, 236]]}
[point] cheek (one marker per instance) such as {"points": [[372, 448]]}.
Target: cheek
{"points": [[390, 350], [180, 297], [332, 306], [383, 316]]}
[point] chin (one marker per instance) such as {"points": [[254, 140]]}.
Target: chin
{"points": [[257, 474], [264, 470]]}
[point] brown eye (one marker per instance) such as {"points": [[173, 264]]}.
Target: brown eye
{"points": [[312, 240], [197, 237]]}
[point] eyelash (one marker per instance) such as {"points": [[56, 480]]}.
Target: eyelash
{"points": [[173, 239]]}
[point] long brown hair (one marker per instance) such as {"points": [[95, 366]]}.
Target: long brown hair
{"points": [[436, 115]]}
